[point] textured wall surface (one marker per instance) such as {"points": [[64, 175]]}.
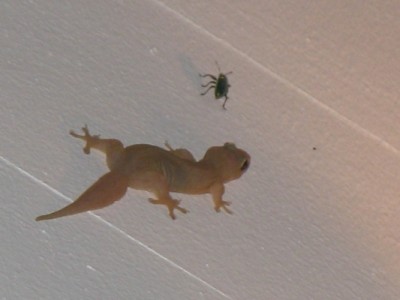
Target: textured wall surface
{"points": [[314, 99]]}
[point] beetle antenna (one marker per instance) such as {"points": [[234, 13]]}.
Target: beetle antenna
{"points": [[219, 69]]}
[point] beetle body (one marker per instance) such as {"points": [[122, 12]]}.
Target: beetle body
{"points": [[219, 84]]}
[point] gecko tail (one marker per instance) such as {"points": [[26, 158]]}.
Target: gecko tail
{"points": [[105, 191]]}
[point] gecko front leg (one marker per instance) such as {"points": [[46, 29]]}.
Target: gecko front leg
{"points": [[180, 152], [216, 191]]}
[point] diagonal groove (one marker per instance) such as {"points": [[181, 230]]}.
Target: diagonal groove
{"points": [[112, 226], [365, 132]]}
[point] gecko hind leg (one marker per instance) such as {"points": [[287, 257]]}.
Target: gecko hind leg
{"points": [[171, 205], [90, 140], [112, 148]]}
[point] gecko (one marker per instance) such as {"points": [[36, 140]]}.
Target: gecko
{"points": [[159, 171]]}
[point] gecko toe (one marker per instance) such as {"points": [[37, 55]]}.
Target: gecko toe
{"points": [[223, 205]]}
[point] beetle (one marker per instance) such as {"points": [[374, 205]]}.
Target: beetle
{"points": [[220, 85]]}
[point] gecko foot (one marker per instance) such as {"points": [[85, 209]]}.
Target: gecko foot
{"points": [[89, 139], [223, 204], [171, 205]]}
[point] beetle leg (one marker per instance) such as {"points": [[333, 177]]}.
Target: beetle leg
{"points": [[226, 99], [211, 86], [207, 84], [208, 75]]}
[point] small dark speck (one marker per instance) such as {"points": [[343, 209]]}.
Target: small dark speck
{"points": [[314, 148]]}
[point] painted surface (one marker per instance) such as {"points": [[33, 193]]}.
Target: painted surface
{"points": [[313, 99]]}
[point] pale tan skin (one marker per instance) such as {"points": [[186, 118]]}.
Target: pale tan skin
{"points": [[159, 171]]}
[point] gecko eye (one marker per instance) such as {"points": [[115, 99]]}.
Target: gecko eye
{"points": [[245, 165]]}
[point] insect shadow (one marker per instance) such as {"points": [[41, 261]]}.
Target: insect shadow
{"points": [[219, 84]]}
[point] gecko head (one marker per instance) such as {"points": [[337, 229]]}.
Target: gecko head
{"points": [[229, 161]]}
